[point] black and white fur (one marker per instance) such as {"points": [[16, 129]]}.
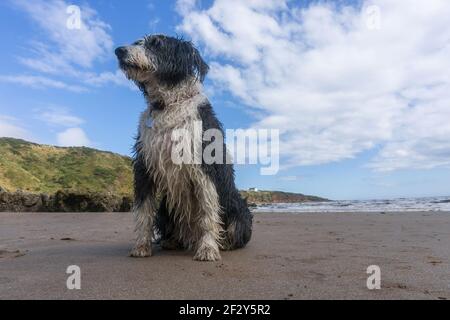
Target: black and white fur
{"points": [[200, 207]]}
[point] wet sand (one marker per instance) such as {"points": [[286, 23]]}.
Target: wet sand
{"points": [[305, 256]]}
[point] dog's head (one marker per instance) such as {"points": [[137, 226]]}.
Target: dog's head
{"points": [[163, 59]]}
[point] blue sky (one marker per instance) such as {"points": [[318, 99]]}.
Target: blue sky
{"points": [[359, 91]]}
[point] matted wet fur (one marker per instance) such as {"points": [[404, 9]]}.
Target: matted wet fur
{"points": [[201, 209]]}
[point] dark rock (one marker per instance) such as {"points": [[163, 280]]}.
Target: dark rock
{"points": [[63, 201], [252, 205], [20, 201], [127, 204]]}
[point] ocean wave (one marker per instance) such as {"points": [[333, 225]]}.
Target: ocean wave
{"points": [[437, 204]]}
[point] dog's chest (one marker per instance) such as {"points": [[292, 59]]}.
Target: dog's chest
{"points": [[162, 135]]}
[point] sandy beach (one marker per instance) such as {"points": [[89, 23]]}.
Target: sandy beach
{"points": [[303, 256]]}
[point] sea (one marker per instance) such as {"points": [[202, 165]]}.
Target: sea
{"points": [[429, 204]]}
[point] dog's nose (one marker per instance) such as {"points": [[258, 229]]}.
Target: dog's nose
{"points": [[121, 52]]}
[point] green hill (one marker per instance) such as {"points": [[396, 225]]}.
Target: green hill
{"points": [[46, 169]]}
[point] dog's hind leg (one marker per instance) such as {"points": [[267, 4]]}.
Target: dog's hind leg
{"points": [[238, 233], [239, 229], [144, 209]]}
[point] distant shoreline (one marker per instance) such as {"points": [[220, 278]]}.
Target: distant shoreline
{"points": [[261, 201]]}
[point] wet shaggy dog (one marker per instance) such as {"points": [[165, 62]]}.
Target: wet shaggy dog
{"points": [[200, 208]]}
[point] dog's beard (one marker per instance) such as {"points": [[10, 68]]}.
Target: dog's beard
{"points": [[134, 73], [141, 78]]}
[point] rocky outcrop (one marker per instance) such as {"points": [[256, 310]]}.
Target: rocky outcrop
{"points": [[63, 201], [255, 198]]}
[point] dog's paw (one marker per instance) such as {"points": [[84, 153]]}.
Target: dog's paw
{"points": [[141, 251], [207, 254]]}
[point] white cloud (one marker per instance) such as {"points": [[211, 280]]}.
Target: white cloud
{"points": [[185, 6], [10, 128], [73, 137], [67, 52], [40, 82], [104, 78], [59, 116], [70, 47], [334, 85]]}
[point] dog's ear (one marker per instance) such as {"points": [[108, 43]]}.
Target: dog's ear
{"points": [[199, 65], [179, 61]]}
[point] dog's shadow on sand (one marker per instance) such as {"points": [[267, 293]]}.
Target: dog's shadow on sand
{"points": [[124, 251], [157, 251]]}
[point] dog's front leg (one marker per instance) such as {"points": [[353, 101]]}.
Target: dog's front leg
{"points": [[143, 217], [144, 209], [207, 248]]}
